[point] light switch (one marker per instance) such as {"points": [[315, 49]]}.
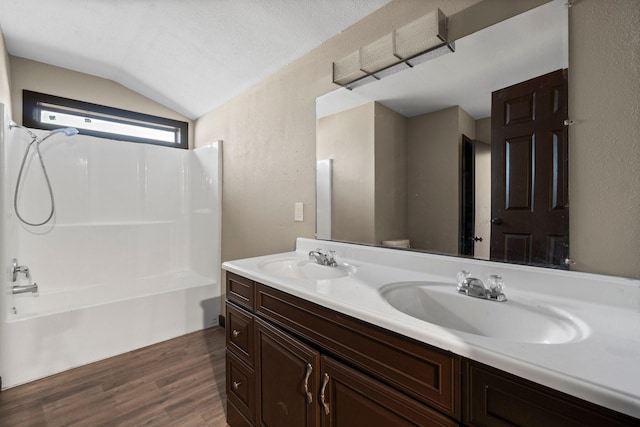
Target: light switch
{"points": [[299, 212]]}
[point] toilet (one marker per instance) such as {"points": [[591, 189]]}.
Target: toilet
{"points": [[398, 243]]}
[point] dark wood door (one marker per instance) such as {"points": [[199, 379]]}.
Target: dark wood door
{"points": [[286, 373], [467, 197], [529, 162], [349, 398]]}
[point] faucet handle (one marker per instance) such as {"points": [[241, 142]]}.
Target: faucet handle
{"points": [[496, 288], [462, 276], [331, 259], [495, 283]]}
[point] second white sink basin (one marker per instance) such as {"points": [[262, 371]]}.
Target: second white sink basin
{"points": [[292, 268], [442, 305]]}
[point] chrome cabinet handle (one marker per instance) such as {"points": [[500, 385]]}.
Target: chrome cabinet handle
{"points": [[325, 381], [235, 333], [236, 384], [306, 383]]}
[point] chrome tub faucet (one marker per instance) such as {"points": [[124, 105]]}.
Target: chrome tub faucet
{"points": [[21, 269], [323, 258], [17, 269], [474, 287], [23, 289]]}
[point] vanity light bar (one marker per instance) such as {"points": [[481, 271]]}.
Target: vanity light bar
{"points": [[393, 50]]}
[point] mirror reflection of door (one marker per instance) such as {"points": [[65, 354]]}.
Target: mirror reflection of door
{"points": [[467, 205], [530, 213]]}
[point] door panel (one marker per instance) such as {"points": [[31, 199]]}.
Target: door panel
{"points": [[520, 174], [560, 174]]}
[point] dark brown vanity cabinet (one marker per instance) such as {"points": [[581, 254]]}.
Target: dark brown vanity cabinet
{"points": [[294, 363], [309, 366]]}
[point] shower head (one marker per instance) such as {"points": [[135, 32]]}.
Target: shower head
{"points": [[66, 131]]}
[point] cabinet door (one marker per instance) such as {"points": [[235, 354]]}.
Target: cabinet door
{"points": [[287, 379], [349, 398], [498, 399]]}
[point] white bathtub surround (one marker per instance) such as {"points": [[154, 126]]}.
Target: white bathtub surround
{"points": [[131, 257], [597, 361]]}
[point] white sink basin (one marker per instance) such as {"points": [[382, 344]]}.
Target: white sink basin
{"points": [[292, 268], [441, 304]]}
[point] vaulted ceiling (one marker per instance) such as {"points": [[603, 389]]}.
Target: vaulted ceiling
{"points": [[189, 55]]}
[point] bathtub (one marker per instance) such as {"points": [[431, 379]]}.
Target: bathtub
{"points": [[56, 330], [130, 258]]}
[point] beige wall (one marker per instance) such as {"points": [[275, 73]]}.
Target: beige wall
{"points": [[390, 175], [5, 91], [433, 167], [433, 183], [348, 138], [604, 144], [483, 130], [39, 77]]}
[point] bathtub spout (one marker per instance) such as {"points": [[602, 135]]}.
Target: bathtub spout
{"points": [[24, 289]]}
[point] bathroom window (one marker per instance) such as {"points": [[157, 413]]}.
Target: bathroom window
{"points": [[52, 112]]}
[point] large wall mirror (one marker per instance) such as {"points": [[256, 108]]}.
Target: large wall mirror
{"points": [[419, 159]]}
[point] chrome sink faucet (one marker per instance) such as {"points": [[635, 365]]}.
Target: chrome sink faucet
{"points": [[474, 287], [323, 258]]}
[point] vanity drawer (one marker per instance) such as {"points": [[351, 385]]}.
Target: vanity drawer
{"points": [[240, 290], [496, 398], [423, 372], [239, 333], [240, 390]]}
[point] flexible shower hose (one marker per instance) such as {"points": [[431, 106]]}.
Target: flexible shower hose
{"points": [[46, 176]]}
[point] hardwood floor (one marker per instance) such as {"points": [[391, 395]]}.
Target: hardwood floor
{"points": [[180, 382]]}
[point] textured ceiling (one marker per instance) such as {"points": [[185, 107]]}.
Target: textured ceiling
{"points": [[189, 55]]}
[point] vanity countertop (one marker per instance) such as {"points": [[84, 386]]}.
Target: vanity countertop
{"points": [[600, 365]]}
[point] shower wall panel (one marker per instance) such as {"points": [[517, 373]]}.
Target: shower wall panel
{"points": [[122, 210]]}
